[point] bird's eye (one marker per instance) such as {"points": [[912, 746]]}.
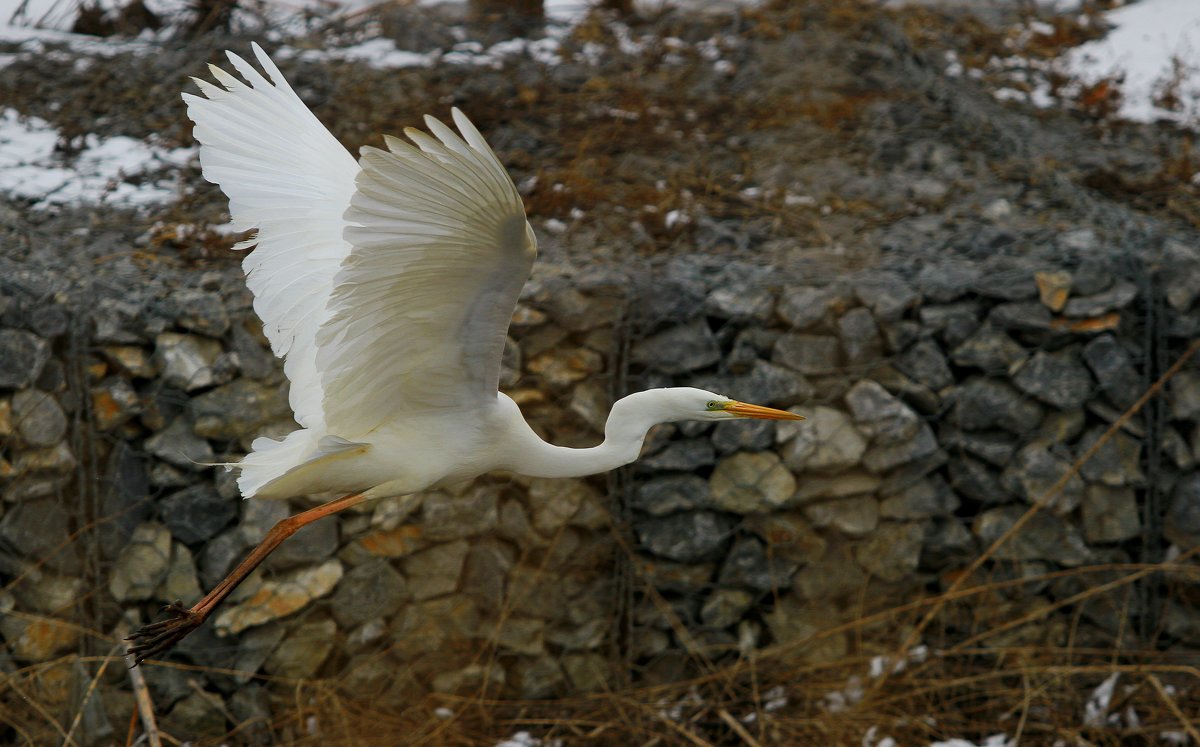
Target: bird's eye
{"points": [[713, 405]]}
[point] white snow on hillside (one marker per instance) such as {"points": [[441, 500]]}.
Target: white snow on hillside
{"points": [[1155, 47], [115, 171]]}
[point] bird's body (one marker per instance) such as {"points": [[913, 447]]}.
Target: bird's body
{"points": [[387, 286]]}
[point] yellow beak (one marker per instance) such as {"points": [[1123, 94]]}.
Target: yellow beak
{"points": [[758, 411]]}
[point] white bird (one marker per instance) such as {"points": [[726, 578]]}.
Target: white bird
{"points": [[387, 286]]}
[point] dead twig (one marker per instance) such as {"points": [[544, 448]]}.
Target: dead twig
{"points": [[1174, 708]]}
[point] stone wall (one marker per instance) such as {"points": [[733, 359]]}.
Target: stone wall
{"points": [[942, 397]]}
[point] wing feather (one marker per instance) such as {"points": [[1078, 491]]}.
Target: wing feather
{"points": [[287, 176], [421, 305]]}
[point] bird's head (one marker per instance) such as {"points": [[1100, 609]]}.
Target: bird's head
{"points": [[688, 403]]}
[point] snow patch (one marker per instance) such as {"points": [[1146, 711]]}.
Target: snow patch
{"points": [[1155, 48], [112, 171]]}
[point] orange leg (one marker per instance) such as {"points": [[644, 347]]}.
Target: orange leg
{"points": [[157, 638]]}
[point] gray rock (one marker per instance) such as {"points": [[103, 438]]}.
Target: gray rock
{"points": [[819, 487], [302, 653], [972, 479], [983, 403], [1021, 316], [827, 442], [678, 349], [373, 589], [539, 678], [1182, 285], [187, 361], [122, 499], [803, 307], [1114, 370], [1035, 471], [885, 293], [254, 355], [1006, 283], [860, 337], [953, 323], [746, 435], [22, 357], [788, 535], [436, 570], [899, 335], [880, 415], [310, 545], [893, 551], [177, 445], [747, 303], [1044, 537], [1114, 299], [219, 555], [854, 516], [885, 457], [49, 321], [259, 516], [681, 456], [1110, 514], [1117, 463], [835, 576], [930, 496], [114, 403], [809, 354], [180, 583], [142, 564], [994, 447], [197, 513], [748, 566], [1058, 379], [485, 577], [947, 280], [239, 409], [35, 528], [686, 578], [947, 542], [749, 346], [665, 495], [478, 512], [725, 607], [751, 482], [687, 538], [1093, 275], [1182, 522], [991, 350], [200, 714], [39, 418], [199, 311], [768, 384], [925, 363], [117, 321], [1184, 389]]}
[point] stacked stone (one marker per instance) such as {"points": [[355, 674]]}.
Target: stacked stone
{"points": [[942, 400]]}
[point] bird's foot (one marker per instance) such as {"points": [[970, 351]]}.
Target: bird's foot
{"points": [[158, 637]]}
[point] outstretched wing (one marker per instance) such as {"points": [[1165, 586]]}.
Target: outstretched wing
{"points": [[286, 175], [421, 306]]}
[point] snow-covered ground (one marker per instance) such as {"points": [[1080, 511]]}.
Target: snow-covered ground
{"points": [[1154, 48]]}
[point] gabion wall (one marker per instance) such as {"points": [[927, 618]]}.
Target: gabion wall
{"points": [[942, 399]]}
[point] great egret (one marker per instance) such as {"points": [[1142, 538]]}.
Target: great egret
{"points": [[387, 286]]}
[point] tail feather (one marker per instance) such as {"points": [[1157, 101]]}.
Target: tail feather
{"points": [[270, 459], [305, 458]]}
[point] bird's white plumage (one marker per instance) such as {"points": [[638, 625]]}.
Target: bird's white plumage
{"points": [[388, 286], [441, 250], [287, 176]]}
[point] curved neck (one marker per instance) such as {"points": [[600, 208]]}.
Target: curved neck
{"points": [[631, 417]]}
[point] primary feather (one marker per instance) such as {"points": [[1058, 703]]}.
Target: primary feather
{"points": [[386, 285]]}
